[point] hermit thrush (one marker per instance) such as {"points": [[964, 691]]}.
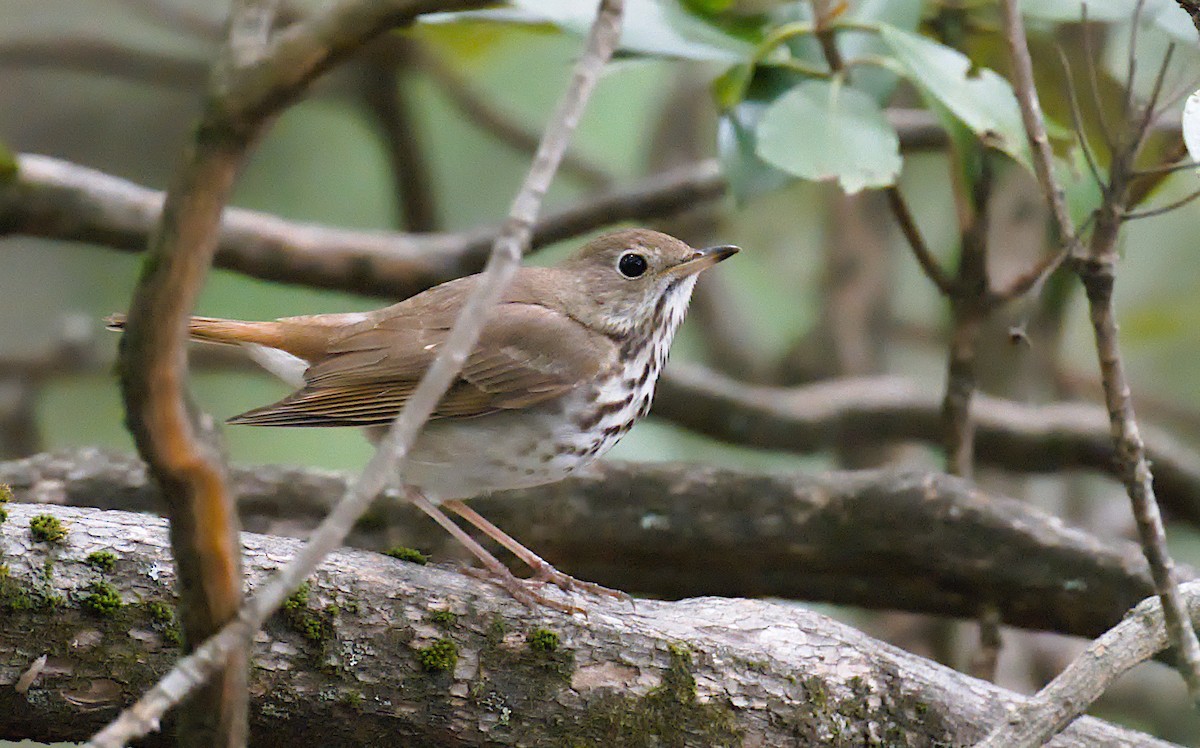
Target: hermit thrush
{"points": [[566, 364]]}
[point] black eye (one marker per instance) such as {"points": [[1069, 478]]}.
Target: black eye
{"points": [[631, 264]]}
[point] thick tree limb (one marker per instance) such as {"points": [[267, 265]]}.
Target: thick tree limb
{"points": [[914, 541], [56, 199], [705, 672], [1016, 436]]}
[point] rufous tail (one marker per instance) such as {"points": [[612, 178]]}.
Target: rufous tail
{"points": [[213, 330]]}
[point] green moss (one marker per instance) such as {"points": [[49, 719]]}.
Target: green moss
{"points": [[444, 618], [411, 555], [102, 599], [160, 612], [543, 640], [101, 561], [668, 716], [14, 597], [3, 514], [47, 528], [439, 657], [6, 493], [299, 598], [316, 626]]}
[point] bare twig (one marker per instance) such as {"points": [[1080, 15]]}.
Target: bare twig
{"points": [[1139, 637], [908, 226], [57, 199], [192, 671], [1035, 122], [1134, 215], [1096, 271]]}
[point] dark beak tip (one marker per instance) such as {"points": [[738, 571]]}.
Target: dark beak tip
{"points": [[723, 252]]}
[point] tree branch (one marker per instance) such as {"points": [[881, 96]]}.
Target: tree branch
{"points": [[58, 200], [923, 542], [364, 657], [1136, 639], [1015, 436]]}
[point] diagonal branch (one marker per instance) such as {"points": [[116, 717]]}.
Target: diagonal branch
{"points": [[56, 199], [1136, 639], [194, 670]]}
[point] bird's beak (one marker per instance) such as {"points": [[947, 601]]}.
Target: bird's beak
{"points": [[703, 259]]}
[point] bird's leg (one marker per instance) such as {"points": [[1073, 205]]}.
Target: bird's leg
{"points": [[543, 570], [501, 575]]}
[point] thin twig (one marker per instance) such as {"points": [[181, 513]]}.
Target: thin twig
{"points": [[1096, 271], [1142, 131], [1077, 118], [1035, 121], [908, 226], [1133, 215], [1090, 57], [194, 669], [1136, 639]]}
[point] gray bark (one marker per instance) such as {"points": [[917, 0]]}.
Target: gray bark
{"points": [[916, 541], [351, 663]]}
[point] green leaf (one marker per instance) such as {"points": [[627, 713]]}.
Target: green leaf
{"points": [[748, 174], [660, 28], [822, 131], [980, 99], [903, 14]]}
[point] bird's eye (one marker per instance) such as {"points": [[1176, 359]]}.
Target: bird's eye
{"points": [[631, 264]]}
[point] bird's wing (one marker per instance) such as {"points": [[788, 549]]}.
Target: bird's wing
{"points": [[527, 354]]}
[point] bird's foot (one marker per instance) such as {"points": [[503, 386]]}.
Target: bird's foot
{"points": [[525, 591], [545, 573]]}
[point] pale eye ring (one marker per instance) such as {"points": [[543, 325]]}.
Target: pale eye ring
{"points": [[632, 265]]}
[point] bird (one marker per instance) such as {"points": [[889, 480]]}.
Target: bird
{"points": [[566, 364]]}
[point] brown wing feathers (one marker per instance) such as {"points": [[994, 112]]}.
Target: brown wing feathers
{"points": [[526, 355], [363, 368]]}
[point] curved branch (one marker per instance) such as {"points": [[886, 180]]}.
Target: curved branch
{"points": [[1015, 436], [922, 542], [364, 657], [56, 199]]}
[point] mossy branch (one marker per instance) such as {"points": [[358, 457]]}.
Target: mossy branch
{"points": [[705, 672]]}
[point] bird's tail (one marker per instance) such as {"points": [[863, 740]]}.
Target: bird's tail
{"points": [[213, 330]]}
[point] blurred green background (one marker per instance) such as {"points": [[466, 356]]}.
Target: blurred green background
{"points": [[323, 161]]}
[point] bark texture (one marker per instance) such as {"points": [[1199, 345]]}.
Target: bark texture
{"points": [[376, 651], [915, 541]]}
